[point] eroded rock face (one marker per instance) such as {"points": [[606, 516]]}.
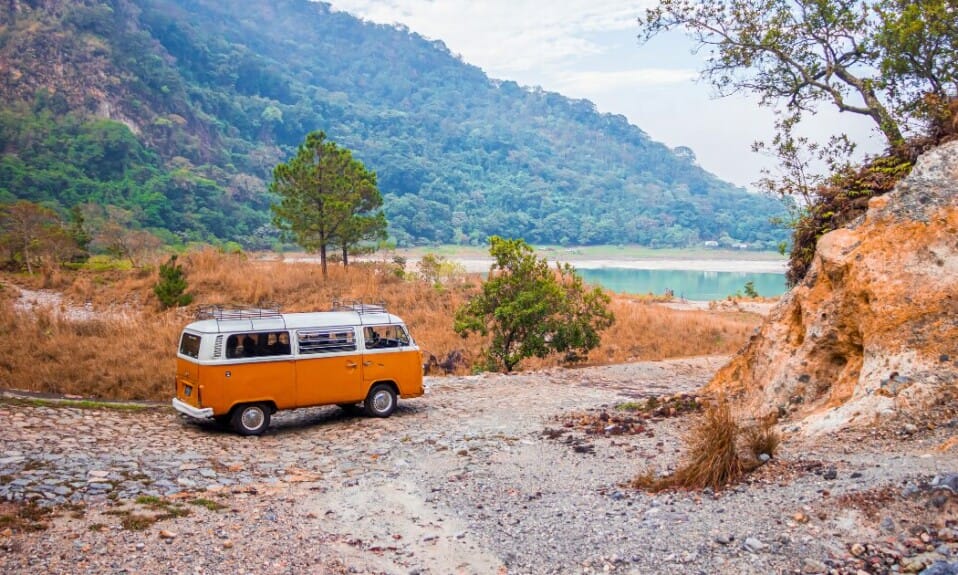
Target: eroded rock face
{"points": [[872, 330]]}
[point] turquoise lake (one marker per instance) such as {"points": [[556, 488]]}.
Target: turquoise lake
{"points": [[693, 285]]}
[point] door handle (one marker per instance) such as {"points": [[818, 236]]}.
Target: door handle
{"points": [[350, 364], [367, 363]]}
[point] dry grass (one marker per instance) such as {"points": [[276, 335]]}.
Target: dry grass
{"points": [[714, 452], [762, 438], [129, 353]]}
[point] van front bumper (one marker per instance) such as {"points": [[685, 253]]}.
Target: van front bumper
{"points": [[192, 411]]}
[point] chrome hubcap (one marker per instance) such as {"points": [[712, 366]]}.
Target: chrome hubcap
{"points": [[252, 418], [382, 401]]}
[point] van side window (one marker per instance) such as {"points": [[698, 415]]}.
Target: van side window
{"points": [[385, 336], [262, 344], [328, 340]]}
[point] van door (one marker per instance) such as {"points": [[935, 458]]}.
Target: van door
{"points": [[328, 367], [389, 355]]}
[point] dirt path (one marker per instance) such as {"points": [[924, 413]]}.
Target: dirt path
{"points": [[484, 474]]}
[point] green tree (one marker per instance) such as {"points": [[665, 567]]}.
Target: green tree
{"points": [[79, 232], [531, 309], [368, 224], [170, 289], [889, 60], [876, 59], [326, 198]]}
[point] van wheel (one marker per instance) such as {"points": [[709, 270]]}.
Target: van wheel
{"points": [[250, 418], [381, 401]]}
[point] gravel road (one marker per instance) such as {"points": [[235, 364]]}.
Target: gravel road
{"points": [[483, 474]]}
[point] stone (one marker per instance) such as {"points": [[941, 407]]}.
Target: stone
{"points": [[165, 534], [812, 566], [857, 549], [919, 562], [754, 545], [724, 540], [949, 482], [941, 568]]}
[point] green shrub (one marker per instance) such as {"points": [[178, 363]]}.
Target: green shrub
{"points": [[171, 287]]}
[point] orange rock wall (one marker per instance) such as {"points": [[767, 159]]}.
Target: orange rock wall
{"points": [[873, 328]]}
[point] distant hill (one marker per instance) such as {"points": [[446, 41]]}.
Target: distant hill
{"points": [[177, 110]]}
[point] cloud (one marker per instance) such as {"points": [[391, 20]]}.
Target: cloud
{"points": [[595, 82], [507, 38]]}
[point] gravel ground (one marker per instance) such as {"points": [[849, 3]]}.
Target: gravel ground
{"points": [[484, 474]]}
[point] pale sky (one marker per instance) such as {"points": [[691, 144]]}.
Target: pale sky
{"points": [[589, 49]]}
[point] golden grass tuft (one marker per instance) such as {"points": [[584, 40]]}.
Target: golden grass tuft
{"points": [[715, 447], [129, 352]]}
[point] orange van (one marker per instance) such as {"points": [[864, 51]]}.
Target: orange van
{"points": [[241, 366]]}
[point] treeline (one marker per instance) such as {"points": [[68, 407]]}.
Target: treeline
{"points": [[212, 98]]}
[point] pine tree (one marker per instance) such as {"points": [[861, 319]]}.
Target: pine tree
{"points": [[171, 287]]}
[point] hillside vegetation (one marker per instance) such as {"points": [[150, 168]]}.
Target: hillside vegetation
{"points": [[177, 110]]}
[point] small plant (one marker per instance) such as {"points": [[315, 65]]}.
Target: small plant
{"points": [[630, 406], [171, 287], [134, 522], [208, 504], [24, 518], [148, 500], [750, 289]]}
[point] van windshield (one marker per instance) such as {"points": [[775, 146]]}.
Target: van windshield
{"points": [[190, 345], [385, 336]]}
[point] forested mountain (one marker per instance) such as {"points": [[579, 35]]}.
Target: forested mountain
{"points": [[177, 111]]}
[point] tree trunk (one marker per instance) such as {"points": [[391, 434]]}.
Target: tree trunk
{"points": [[322, 259], [345, 256], [876, 110]]}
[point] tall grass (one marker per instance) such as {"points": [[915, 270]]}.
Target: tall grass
{"points": [[719, 451], [129, 352]]}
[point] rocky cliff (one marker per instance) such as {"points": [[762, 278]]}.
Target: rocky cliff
{"points": [[872, 330]]}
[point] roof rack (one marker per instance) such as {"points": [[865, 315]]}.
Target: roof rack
{"points": [[359, 306], [220, 313]]}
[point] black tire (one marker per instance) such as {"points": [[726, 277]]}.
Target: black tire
{"points": [[381, 401], [350, 408], [250, 418]]}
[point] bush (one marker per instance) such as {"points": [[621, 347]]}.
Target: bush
{"points": [[532, 310], [171, 287]]}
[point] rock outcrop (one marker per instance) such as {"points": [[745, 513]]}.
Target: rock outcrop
{"points": [[872, 330]]}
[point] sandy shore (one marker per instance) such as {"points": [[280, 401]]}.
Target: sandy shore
{"points": [[750, 266]]}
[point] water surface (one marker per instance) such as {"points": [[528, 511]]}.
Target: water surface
{"points": [[687, 284]]}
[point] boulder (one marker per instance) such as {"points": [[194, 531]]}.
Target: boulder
{"points": [[872, 330]]}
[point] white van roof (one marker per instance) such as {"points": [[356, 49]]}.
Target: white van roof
{"points": [[292, 321]]}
